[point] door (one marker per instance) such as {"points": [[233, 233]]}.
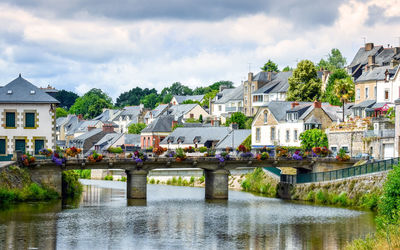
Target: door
{"points": [[388, 151], [39, 144], [20, 145]]}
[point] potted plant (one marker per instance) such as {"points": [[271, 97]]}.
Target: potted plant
{"points": [[180, 155], [342, 156], [297, 155], [95, 157], [139, 156], [159, 150], [262, 156], [28, 160], [73, 151], [46, 152]]}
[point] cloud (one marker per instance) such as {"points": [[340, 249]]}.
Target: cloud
{"points": [[377, 14]]}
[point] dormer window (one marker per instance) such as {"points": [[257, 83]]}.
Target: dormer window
{"points": [[9, 92], [32, 92]]}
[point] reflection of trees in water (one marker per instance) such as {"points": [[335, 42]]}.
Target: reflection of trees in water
{"points": [[29, 225]]}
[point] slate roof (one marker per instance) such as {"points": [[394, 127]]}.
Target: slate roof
{"points": [[23, 91], [160, 124], [107, 115], [130, 111], [157, 111], [231, 95], [361, 56], [132, 139], [206, 134], [376, 74], [364, 104], [86, 135], [313, 120], [83, 126], [182, 98], [263, 76], [278, 84], [239, 135], [179, 110]]}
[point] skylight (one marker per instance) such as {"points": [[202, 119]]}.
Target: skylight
{"points": [[33, 92], [9, 92]]}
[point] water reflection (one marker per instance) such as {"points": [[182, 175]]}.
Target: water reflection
{"points": [[178, 217]]}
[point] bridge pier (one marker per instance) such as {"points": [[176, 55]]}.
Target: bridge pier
{"points": [[136, 184], [216, 184]]}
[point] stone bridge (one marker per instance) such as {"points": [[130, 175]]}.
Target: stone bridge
{"points": [[216, 173]]}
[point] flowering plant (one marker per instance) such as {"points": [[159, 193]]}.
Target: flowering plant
{"points": [[282, 152], [297, 155], [224, 156], [28, 160], [342, 156], [46, 152], [180, 155], [316, 150], [262, 156], [210, 153], [325, 151], [242, 148], [170, 154], [73, 151], [246, 155], [159, 150], [189, 149], [139, 156], [95, 157]]}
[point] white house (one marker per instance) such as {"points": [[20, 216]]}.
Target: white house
{"points": [[388, 86], [226, 102], [179, 99], [28, 120]]}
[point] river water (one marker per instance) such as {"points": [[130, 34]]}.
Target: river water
{"points": [[177, 218]]}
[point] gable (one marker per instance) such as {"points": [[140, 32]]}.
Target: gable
{"points": [[259, 120]]}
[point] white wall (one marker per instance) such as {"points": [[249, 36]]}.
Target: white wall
{"points": [[280, 134], [45, 121]]}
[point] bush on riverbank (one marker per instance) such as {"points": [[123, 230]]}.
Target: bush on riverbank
{"points": [[258, 182], [388, 219], [16, 186], [70, 184], [84, 173]]}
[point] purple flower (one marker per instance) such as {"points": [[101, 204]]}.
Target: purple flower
{"points": [[138, 160]]}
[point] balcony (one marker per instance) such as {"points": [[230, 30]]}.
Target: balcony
{"points": [[234, 109]]}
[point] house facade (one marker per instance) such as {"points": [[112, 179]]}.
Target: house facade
{"points": [[226, 102], [155, 132], [179, 99], [27, 118]]}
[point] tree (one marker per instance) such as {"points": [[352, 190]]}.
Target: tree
{"points": [[344, 90], [304, 84], [177, 88], [191, 102], [313, 138], [389, 205], [89, 105], [60, 112], [66, 98], [209, 96], [201, 118], [270, 66], [248, 123], [335, 61], [167, 98], [216, 85], [287, 68], [201, 90], [150, 101], [329, 94], [136, 128], [133, 96], [239, 118]]}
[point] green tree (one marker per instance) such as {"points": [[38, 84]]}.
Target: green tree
{"points": [[66, 98], [133, 96], [287, 68], [335, 61], [191, 102], [239, 118], [150, 101], [304, 84], [60, 112], [167, 99], [136, 128], [248, 123], [344, 90], [89, 102], [216, 85], [329, 94], [313, 138], [201, 90], [389, 205], [270, 66], [201, 118], [177, 88], [209, 96]]}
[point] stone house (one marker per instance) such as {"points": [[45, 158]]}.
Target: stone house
{"points": [[87, 140], [129, 115], [155, 132], [179, 99], [185, 111], [226, 102], [155, 113], [28, 120]]}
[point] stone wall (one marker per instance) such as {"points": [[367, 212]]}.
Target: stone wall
{"points": [[351, 139]]}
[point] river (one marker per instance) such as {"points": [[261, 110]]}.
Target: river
{"points": [[177, 218]]}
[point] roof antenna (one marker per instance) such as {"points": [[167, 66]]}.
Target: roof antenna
{"points": [[365, 39]]}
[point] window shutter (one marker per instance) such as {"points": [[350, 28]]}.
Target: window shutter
{"points": [[39, 144], [10, 119], [30, 120], [2, 146]]}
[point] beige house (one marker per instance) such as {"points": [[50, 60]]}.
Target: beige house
{"points": [[186, 111]]}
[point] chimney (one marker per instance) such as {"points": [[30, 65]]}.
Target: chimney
{"points": [[369, 46], [294, 104], [250, 77], [317, 104], [396, 50], [371, 60], [212, 122], [222, 87], [80, 117], [386, 75], [108, 128], [269, 73], [174, 123], [90, 128]]}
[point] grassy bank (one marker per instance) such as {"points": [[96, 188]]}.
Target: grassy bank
{"points": [[17, 186], [179, 181], [259, 182]]}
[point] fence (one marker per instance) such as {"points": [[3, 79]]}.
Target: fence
{"points": [[368, 168]]}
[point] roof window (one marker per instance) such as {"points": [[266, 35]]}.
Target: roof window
{"points": [[9, 92], [33, 92]]}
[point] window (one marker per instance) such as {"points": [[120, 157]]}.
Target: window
{"points": [[191, 115], [29, 120], [253, 88], [272, 133], [287, 135], [334, 149], [295, 135], [219, 107], [10, 120], [2, 146], [265, 117], [375, 92], [346, 148], [245, 89], [386, 94], [39, 144], [366, 92], [245, 100], [257, 134], [252, 111], [20, 145], [358, 94]]}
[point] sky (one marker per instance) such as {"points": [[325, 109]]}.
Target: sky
{"points": [[118, 45]]}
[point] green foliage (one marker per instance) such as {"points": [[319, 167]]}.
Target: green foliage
{"points": [[391, 114], [304, 84], [150, 101], [191, 102], [115, 150], [108, 178], [249, 121], [216, 85], [152, 181], [31, 192], [322, 197], [167, 98], [239, 118], [123, 179], [177, 88], [256, 182], [66, 98], [389, 207], [329, 94], [133, 97], [344, 89], [247, 143], [84, 173], [60, 112], [201, 90], [209, 96], [270, 66], [71, 186], [136, 128], [202, 179], [202, 149], [192, 120], [313, 138], [335, 61], [287, 68], [91, 104], [201, 118], [176, 125]]}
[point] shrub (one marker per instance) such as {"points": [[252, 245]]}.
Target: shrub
{"points": [[192, 179], [202, 179], [152, 181], [322, 197], [123, 178], [202, 149], [108, 178], [311, 196], [71, 186], [389, 207], [116, 150]]}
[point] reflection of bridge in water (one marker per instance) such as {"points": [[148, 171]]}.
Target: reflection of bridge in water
{"points": [[216, 172]]}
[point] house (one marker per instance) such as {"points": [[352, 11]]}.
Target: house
{"points": [[195, 137], [28, 120], [233, 139], [108, 115], [187, 111], [371, 108], [179, 99], [371, 56], [87, 140], [128, 142], [281, 122], [156, 112], [226, 102], [156, 131], [128, 116]]}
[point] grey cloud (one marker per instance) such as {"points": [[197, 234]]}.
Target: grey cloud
{"points": [[302, 12], [376, 14]]}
